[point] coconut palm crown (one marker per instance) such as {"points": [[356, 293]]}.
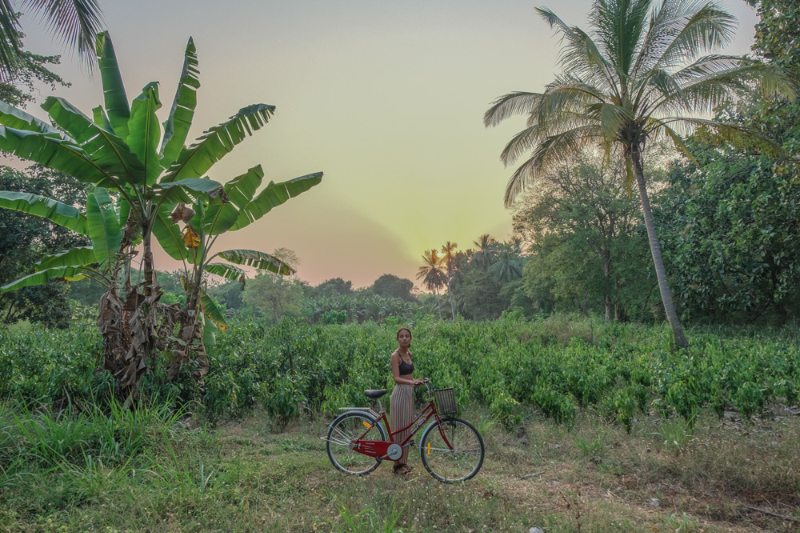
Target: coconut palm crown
{"points": [[638, 75]]}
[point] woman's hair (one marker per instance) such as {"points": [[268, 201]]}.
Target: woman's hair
{"points": [[404, 329]]}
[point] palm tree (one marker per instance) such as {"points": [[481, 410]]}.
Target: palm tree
{"points": [[636, 77], [75, 22], [449, 259], [484, 253], [432, 275], [507, 268]]}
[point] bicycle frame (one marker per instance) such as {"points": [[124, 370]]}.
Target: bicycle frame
{"points": [[380, 448]]}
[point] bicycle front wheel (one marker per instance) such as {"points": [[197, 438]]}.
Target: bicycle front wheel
{"points": [[342, 432], [459, 461]]}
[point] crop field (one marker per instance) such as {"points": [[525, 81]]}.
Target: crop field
{"points": [[589, 427], [556, 366]]}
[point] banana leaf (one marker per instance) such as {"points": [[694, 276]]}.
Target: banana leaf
{"points": [[175, 191], [101, 119], [113, 90], [220, 217], [176, 127], [145, 131], [241, 189], [227, 271], [65, 273], [209, 336], [258, 260], [211, 310], [102, 224], [56, 212], [274, 195], [16, 118], [217, 142], [81, 255], [168, 235], [58, 154], [102, 147]]}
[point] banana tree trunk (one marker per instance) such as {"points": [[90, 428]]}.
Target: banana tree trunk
{"points": [[655, 250], [147, 260]]}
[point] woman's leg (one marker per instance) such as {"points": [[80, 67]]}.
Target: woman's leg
{"points": [[401, 414]]}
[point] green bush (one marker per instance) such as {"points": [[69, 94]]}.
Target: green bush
{"points": [[508, 365]]}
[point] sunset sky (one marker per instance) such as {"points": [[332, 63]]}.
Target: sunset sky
{"points": [[385, 97]]}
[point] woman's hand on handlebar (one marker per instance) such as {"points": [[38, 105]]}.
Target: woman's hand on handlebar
{"points": [[419, 382]]}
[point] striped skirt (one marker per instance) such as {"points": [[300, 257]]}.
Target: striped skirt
{"points": [[401, 411]]}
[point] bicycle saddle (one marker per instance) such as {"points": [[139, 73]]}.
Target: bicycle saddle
{"points": [[375, 393]]}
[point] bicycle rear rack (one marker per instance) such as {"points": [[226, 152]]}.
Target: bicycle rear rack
{"points": [[367, 410]]}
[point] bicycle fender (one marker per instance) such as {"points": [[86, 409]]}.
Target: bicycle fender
{"points": [[430, 426], [363, 413]]}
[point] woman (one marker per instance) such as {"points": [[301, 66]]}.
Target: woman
{"points": [[401, 406]]}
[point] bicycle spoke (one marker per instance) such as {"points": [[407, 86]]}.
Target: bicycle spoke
{"points": [[342, 433], [347, 438], [461, 459]]}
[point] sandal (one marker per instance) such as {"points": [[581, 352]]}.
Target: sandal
{"points": [[405, 467]]}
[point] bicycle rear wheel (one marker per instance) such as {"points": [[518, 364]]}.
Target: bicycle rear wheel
{"points": [[458, 462], [342, 432]]}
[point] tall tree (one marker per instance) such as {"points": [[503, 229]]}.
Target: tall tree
{"points": [[579, 205], [484, 253], [640, 74], [391, 286], [449, 259], [731, 227], [432, 275]]}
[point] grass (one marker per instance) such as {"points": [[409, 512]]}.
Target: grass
{"points": [[151, 471]]}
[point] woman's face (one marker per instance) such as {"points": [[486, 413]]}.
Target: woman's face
{"points": [[404, 339]]}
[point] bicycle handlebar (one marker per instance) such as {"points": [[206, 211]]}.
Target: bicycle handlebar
{"points": [[427, 383]]}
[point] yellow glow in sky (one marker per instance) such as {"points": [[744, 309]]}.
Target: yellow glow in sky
{"points": [[385, 97]]}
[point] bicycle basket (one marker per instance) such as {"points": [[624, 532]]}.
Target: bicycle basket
{"points": [[445, 401]]}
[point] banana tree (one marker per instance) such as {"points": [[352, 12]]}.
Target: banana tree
{"points": [[230, 208], [121, 149]]}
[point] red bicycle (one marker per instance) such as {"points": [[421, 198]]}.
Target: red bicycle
{"points": [[451, 449]]}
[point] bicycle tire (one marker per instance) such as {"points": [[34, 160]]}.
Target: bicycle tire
{"points": [[345, 428], [459, 464]]}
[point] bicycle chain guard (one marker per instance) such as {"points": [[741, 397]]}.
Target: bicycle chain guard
{"points": [[379, 449]]}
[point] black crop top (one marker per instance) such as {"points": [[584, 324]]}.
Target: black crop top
{"points": [[405, 368]]}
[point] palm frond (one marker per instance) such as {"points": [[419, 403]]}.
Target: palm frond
{"points": [[10, 39], [612, 119], [696, 30], [554, 123], [658, 84], [510, 104], [716, 82], [620, 27], [75, 23], [552, 150], [657, 127], [659, 34], [580, 55], [724, 133]]}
